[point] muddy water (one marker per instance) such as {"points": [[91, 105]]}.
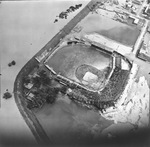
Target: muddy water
{"points": [[67, 122]]}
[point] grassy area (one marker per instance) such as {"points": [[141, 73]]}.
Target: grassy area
{"points": [[124, 35], [67, 59], [114, 30], [66, 122]]}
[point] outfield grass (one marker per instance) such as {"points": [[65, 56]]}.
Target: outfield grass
{"points": [[124, 35], [67, 59], [69, 123]]}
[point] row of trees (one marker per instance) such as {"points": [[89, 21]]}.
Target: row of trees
{"points": [[43, 89]]}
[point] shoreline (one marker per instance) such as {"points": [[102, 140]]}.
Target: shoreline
{"points": [[28, 115]]}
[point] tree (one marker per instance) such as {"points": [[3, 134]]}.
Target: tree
{"points": [[63, 89], [26, 80], [44, 79], [36, 81], [11, 63], [50, 99], [51, 95]]}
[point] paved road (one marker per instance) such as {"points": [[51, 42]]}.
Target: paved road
{"points": [[141, 36]]}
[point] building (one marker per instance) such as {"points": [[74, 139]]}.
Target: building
{"points": [[135, 20], [138, 2], [108, 44], [146, 11], [30, 96], [28, 86]]}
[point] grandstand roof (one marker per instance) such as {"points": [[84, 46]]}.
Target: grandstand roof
{"points": [[108, 43]]}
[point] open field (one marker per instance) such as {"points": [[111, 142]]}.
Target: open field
{"points": [[67, 59], [126, 36], [26, 27], [67, 122], [114, 30]]}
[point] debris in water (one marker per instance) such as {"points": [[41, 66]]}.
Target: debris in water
{"points": [[11, 63], [56, 20], [7, 95], [64, 15]]}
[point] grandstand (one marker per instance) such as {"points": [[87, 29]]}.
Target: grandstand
{"points": [[76, 62], [115, 85], [93, 84]]}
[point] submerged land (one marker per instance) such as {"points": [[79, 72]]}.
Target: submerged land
{"points": [[89, 79]]}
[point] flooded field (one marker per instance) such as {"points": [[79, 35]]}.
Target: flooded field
{"points": [[65, 121], [67, 59], [114, 30]]}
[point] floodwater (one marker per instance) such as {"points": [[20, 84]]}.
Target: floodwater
{"points": [[67, 59], [25, 28], [67, 122], [114, 30]]}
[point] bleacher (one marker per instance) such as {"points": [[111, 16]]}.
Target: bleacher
{"points": [[115, 86]]}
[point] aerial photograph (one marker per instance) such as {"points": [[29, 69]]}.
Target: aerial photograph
{"points": [[75, 73]]}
